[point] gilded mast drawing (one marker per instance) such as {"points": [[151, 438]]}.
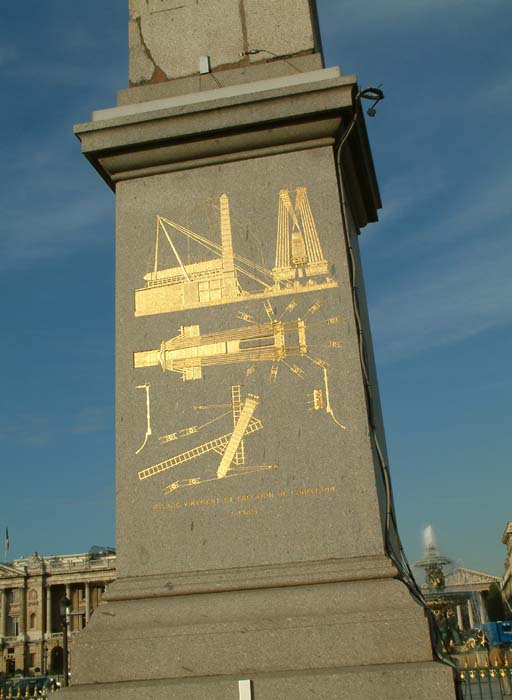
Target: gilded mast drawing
{"points": [[189, 351], [299, 259]]}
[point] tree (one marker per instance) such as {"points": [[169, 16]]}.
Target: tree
{"points": [[494, 604]]}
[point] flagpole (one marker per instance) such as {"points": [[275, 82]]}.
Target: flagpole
{"points": [[6, 543]]}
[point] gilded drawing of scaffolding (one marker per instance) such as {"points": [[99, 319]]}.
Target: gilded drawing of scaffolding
{"points": [[298, 252], [229, 446], [300, 265]]}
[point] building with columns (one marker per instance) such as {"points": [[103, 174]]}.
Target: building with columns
{"points": [[506, 585], [475, 586], [456, 597], [31, 593]]}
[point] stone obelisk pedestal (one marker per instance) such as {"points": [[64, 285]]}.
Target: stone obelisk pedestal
{"points": [[251, 503]]}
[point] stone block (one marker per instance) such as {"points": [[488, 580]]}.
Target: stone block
{"points": [[316, 627], [167, 37], [173, 35], [417, 681], [278, 29], [229, 77]]}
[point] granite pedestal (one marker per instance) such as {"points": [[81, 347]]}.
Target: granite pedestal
{"points": [[251, 500]]}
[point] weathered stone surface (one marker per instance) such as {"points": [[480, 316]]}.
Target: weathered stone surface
{"points": [[255, 631], [283, 28], [229, 77], [408, 681], [176, 35], [167, 37], [141, 65]]}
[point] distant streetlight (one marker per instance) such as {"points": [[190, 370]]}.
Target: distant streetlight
{"points": [[64, 606]]}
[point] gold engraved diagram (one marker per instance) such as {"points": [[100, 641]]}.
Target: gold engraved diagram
{"points": [[229, 446], [190, 351], [317, 402], [148, 416], [300, 265], [274, 342]]}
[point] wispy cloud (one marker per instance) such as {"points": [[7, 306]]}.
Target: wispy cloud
{"points": [[40, 430], [35, 234], [51, 204], [474, 205], [457, 281], [473, 296], [403, 193], [93, 420], [27, 429]]}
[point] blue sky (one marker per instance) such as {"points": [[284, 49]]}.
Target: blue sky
{"points": [[437, 265]]}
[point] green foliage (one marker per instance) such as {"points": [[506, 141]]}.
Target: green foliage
{"points": [[494, 604]]}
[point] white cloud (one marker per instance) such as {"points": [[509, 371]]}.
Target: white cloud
{"points": [[459, 302], [480, 204], [52, 203], [34, 234], [454, 279]]}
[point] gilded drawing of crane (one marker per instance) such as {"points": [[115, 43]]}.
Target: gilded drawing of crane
{"points": [[229, 446], [300, 265]]}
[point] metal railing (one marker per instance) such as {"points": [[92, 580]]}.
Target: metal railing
{"points": [[28, 690], [480, 679]]}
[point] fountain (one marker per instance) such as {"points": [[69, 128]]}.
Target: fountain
{"points": [[443, 603]]}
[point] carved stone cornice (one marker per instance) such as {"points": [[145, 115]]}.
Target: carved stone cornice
{"points": [[262, 118]]}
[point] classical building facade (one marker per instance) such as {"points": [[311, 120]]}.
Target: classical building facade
{"points": [[31, 594], [456, 597], [507, 576], [475, 586]]}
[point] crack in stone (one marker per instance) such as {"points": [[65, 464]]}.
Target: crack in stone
{"points": [[245, 37], [168, 9], [158, 74]]}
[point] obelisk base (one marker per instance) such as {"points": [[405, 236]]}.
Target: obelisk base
{"points": [[350, 640], [418, 681]]}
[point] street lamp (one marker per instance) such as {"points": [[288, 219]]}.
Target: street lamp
{"points": [[64, 606]]}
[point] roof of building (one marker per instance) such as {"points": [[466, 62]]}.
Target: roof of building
{"points": [[462, 576], [96, 558]]}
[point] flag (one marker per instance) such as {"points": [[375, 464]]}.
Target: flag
{"points": [[6, 543]]}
